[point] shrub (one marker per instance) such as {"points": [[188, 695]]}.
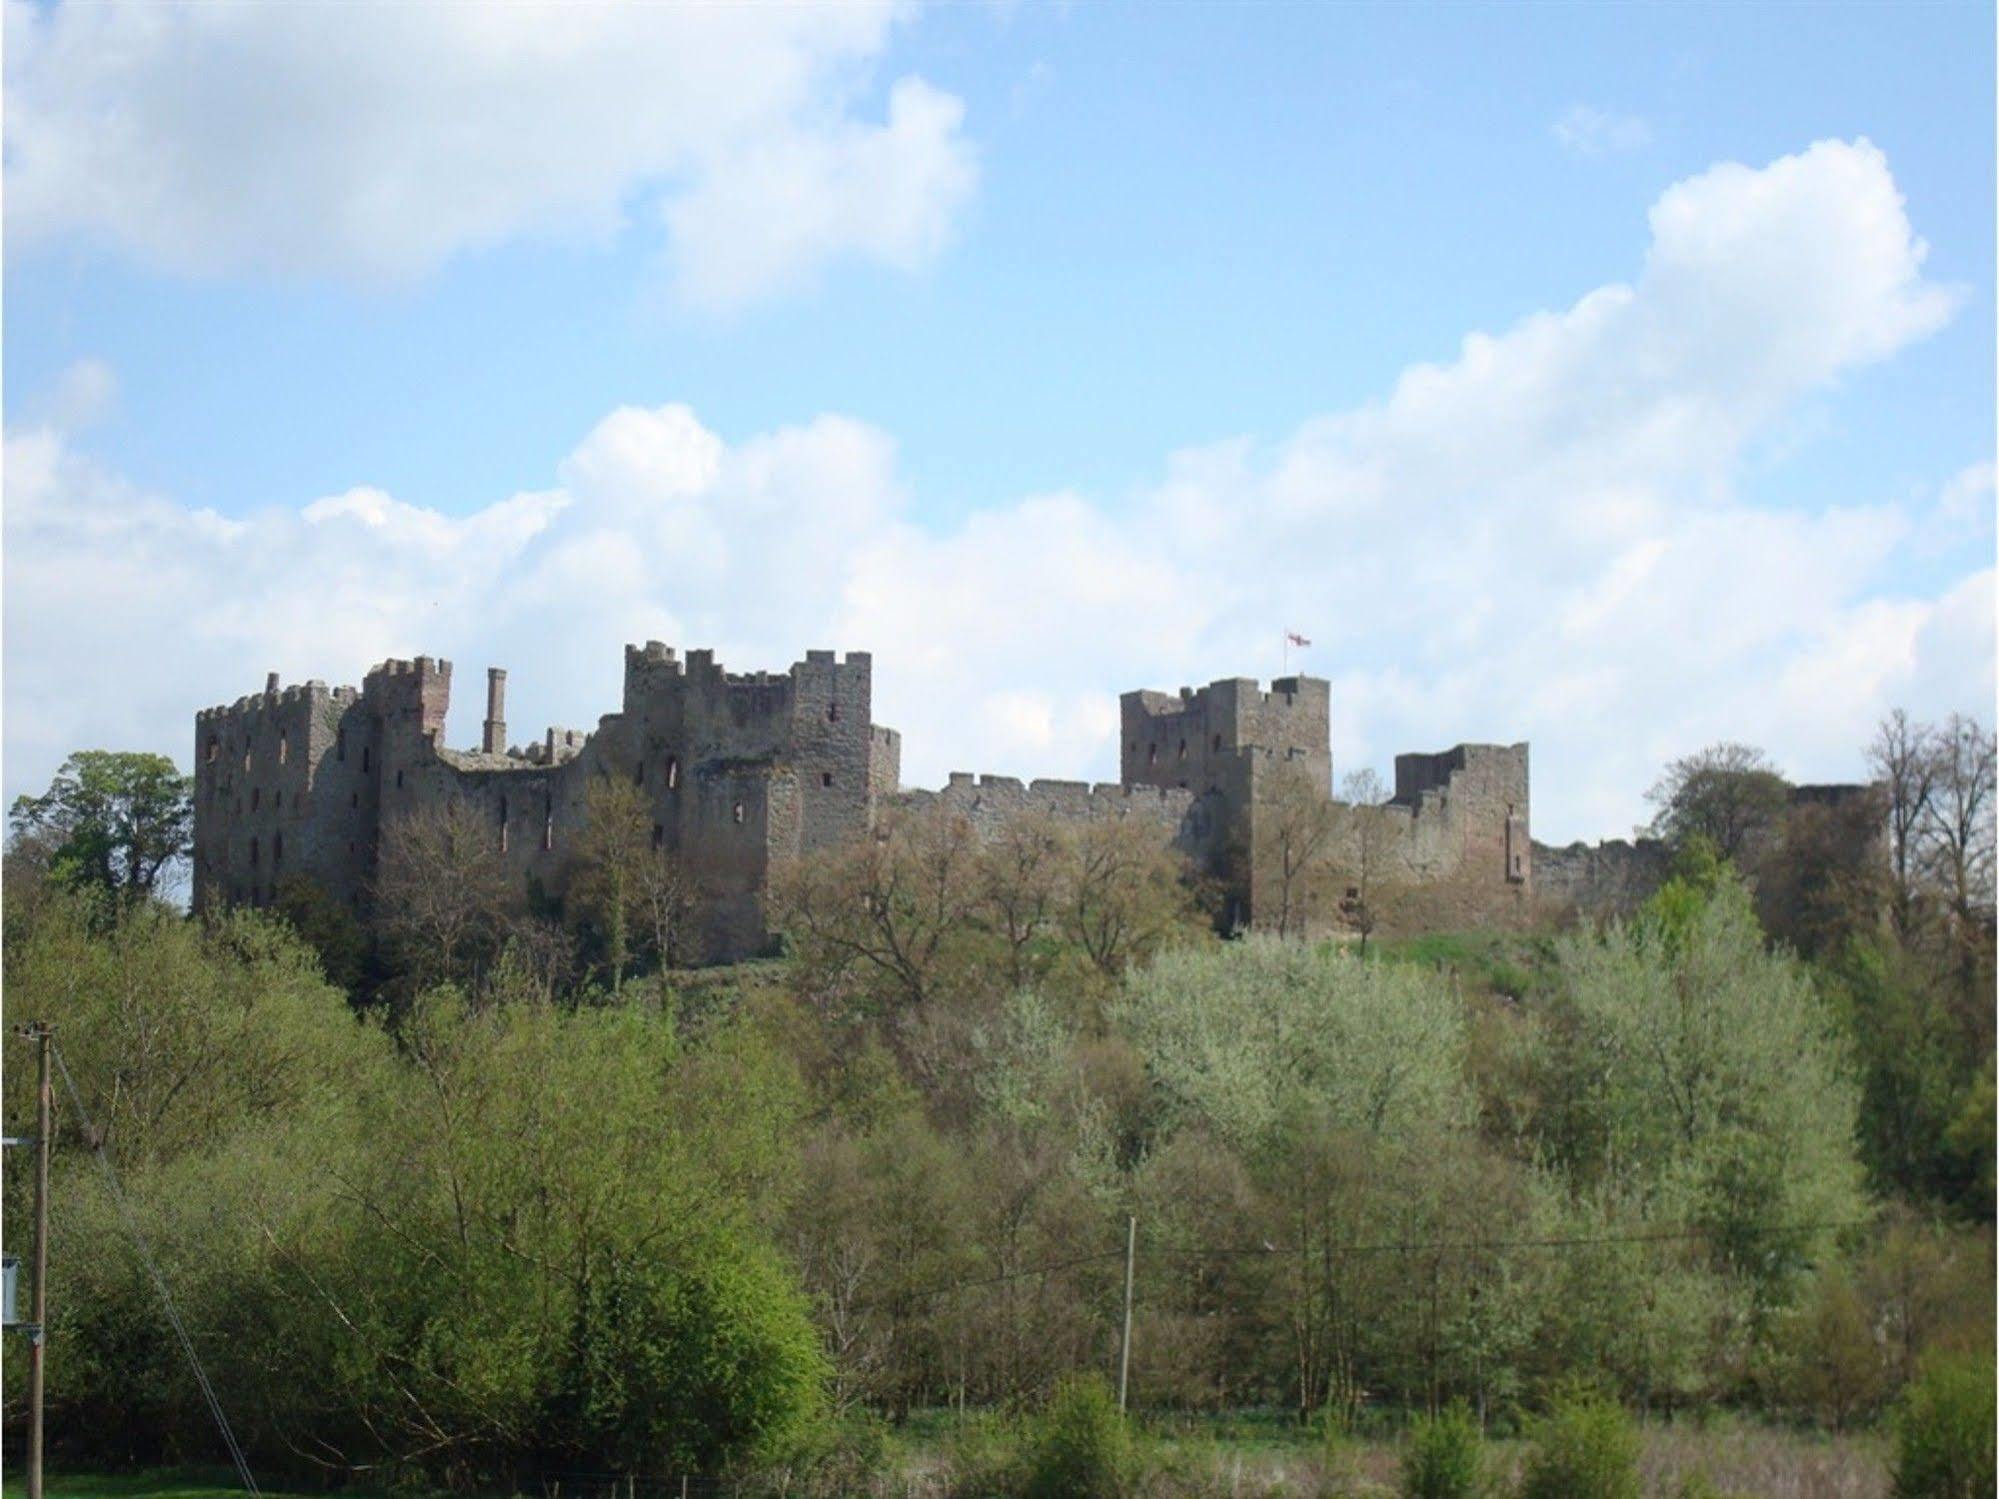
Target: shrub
{"points": [[1444, 1457], [1943, 1430], [1078, 1448], [1585, 1448]]}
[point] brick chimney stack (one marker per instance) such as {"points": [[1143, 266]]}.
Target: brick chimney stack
{"points": [[495, 742]]}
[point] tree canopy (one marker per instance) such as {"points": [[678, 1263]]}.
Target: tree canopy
{"points": [[118, 820]]}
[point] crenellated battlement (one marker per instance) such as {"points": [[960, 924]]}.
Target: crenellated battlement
{"points": [[740, 771]]}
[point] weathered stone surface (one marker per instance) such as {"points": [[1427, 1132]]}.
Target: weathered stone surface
{"points": [[746, 771]]}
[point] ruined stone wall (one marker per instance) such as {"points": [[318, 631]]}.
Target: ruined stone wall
{"points": [[884, 764], [1612, 878], [737, 772], [989, 803], [740, 773], [1449, 852], [1615, 877]]}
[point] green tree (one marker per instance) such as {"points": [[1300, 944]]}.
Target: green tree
{"points": [[1243, 1035], [626, 884], [1701, 1074], [1944, 1430], [1916, 1071], [118, 820], [327, 926], [1729, 793]]}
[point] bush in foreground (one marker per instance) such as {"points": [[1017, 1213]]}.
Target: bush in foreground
{"points": [[1585, 1448], [1943, 1430], [1078, 1448], [1444, 1457]]}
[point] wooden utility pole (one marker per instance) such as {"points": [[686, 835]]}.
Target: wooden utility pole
{"points": [[43, 1036], [1124, 1350]]}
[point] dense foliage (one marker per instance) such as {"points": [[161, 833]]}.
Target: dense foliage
{"points": [[119, 821], [519, 1199]]}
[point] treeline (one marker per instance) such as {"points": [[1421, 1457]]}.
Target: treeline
{"points": [[527, 1199]]}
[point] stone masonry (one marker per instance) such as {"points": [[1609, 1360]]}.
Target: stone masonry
{"points": [[744, 772]]}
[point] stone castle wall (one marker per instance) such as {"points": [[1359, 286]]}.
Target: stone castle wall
{"points": [[743, 772], [1612, 878], [990, 803]]}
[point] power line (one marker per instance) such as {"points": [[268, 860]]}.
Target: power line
{"points": [[1410, 1246], [945, 1288], [208, 1394], [1439, 1246]]}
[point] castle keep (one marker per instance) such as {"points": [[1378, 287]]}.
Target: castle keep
{"points": [[743, 772]]}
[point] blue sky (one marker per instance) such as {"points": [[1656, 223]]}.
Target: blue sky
{"points": [[1106, 279]]}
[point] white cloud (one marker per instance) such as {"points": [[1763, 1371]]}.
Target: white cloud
{"points": [[1585, 131], [377, 141], [1541, 538], [1962, 513], [82, 394]]}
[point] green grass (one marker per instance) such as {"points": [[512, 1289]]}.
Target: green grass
{"points": [[217, 1483]]}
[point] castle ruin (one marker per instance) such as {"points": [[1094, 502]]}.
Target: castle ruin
{"points": [[745, 772]]}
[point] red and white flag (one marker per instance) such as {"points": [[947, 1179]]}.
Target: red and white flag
{"points": [[1295, 639]]}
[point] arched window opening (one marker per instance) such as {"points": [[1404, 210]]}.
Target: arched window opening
{"points": [[1183, 749], [284, 746], [503, 824], [1152, 754], [214, 749], [399, 780], [832, 713], [738, 812], [548, 822], [672, 773], [364, 759]]}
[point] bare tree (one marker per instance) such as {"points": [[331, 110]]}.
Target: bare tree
{"points": [[1958, 821], [1903, 760], [441, 893], [1295, 830], [1020, 874], [1368, 843], [897, 905], [1126, 893]]}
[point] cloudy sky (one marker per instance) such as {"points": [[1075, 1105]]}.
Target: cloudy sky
{"points": [[1614, 378]]}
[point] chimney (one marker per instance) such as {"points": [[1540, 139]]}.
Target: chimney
{"points": [[271, 685], [496, 711]]}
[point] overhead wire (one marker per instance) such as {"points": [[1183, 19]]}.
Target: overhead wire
{"points": [[173, 1316]]}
